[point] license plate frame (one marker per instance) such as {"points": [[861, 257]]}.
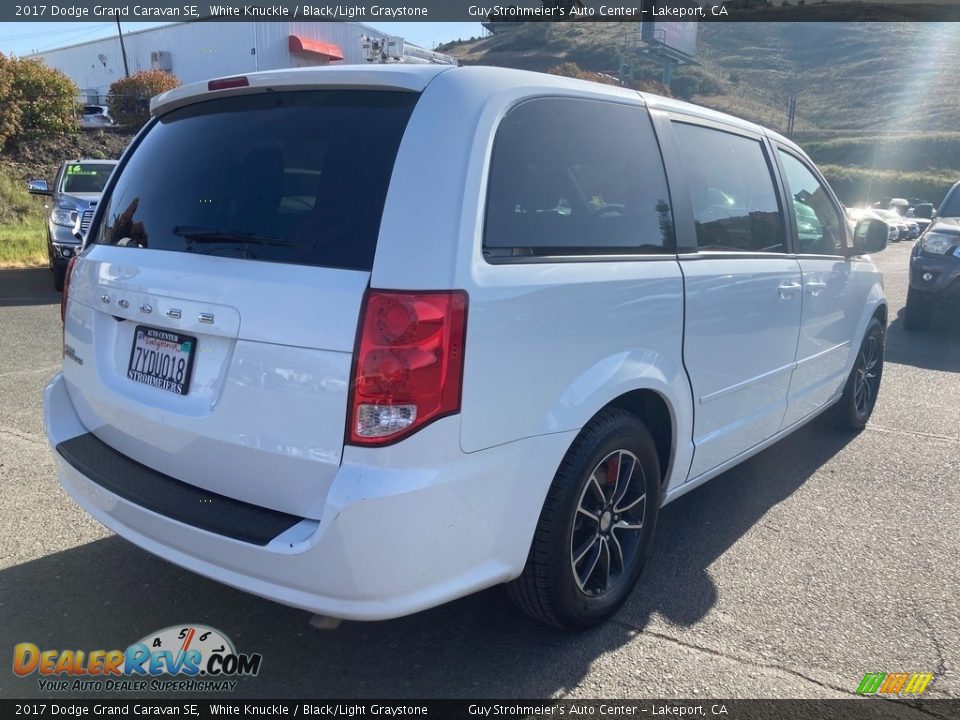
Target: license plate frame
{"points": [[142, 373]]}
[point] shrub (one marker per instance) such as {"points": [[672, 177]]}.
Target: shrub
{"points": [[36, 101], [572, 70], [9, 109], [130, 97], [684, 86]]}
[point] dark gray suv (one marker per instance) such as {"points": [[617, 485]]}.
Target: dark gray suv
{"points": [[935, 265], [76, 189]]}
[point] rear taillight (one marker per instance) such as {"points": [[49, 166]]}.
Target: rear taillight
{"points": [[408, 367], [66, 289]]}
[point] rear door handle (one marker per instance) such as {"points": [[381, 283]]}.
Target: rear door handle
{"points": [[787, 289], [814, 287]]}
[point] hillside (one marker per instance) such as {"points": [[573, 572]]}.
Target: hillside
{"points": [[847, 76], [22, 215], [877, 96]]}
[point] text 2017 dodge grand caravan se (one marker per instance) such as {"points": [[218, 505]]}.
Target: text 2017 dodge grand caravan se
{"points": [[363, 340]]}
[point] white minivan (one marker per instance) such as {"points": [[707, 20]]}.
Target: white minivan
{"points": [[364, 340]]}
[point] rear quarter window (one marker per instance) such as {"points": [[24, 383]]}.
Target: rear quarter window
{"points": [[297, 177], [576, 177]]}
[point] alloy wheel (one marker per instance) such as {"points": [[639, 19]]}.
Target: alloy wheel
{"points": [[608, 523], [867, 381]]}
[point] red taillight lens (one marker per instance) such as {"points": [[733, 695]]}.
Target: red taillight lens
{"points": [[227, 83], [66, 289], [408, 368]]}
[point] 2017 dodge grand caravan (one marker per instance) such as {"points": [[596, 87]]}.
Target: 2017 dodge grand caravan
{"points": [[364, 340]]}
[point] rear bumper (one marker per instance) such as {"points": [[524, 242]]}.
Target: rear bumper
{"points": [[394, 538]]}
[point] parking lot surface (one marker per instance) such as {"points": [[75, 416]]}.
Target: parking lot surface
{"points": [[825, 557]]}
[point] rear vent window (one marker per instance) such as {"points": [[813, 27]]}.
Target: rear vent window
{"points": [[295, 177]]}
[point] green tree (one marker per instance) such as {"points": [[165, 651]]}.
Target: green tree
{"points": [[36, 101], [130, 97]]}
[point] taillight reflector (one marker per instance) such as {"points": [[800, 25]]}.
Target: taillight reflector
{"points": [[408, 366], [66, 289], [227, 83]]}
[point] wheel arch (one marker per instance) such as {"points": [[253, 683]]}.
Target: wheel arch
{"points": [[658, 415], [882, 313]]}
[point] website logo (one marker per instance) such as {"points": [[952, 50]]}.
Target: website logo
{"points": [[184, 651]]}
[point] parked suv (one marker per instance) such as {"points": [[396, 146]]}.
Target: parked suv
{"points": [[364, 340], [95, 116], [935, 266], [76, 190]]}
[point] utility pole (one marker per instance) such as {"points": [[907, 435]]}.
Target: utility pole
{"points": [[123, 50], [791, 115]]}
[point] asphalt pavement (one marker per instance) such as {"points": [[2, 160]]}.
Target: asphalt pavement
{"points": [[825, 557]]}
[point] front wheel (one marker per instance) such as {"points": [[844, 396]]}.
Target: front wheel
{"points": [[855, 407], [596, 526]]}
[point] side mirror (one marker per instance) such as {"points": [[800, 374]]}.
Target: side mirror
{"points": [[870, 236], [924, 210], [38, 187]]}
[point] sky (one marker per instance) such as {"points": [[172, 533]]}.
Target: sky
{"points": [[23, 38]]}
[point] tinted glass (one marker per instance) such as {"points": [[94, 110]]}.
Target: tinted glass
{"points": [[85, 177], [951, 204], [819, 226], [574, 177], [297, 177], [735, 205]]}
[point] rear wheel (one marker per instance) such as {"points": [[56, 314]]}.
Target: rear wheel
{"points": [[917, 313], [596, 526], [855, 407]]}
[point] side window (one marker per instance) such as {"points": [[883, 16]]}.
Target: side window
{"points": [[576, 177], [735, 205], [818, 223]]}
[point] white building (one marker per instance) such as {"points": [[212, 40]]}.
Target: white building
{"points": [[194, 51]]}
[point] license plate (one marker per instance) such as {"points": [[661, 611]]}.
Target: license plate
{"points": [[162, 359]]}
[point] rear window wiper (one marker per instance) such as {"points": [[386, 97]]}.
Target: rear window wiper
{"points": [[212, 235]]}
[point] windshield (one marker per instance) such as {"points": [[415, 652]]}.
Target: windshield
{"points": [[951, 204], [298, 177], [85, 177]]}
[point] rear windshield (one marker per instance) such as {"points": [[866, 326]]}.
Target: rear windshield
{"points": [[295, 177], [85, 177]]}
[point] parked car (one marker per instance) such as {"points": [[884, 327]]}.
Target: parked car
{"points": [[892, 217], [316, 350], [935, 266], [76, 189], [855, 215], [95, 116], [922, 214]]}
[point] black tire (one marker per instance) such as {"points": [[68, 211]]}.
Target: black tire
{"points": [[918, 311], [551, 589], [859, 398], [59, 277]]}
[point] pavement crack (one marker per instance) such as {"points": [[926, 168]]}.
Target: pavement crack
{"points": [[736, 658], [45, 369], [917, 433], [937, 646], [20, 435]]}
